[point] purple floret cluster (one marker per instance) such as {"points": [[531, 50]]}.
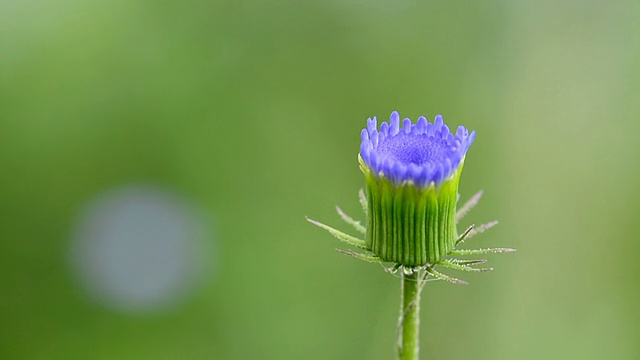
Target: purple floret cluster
{"points": [[423, 153]]}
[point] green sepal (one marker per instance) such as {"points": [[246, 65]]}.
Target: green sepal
{"points": [[457, 266], [444, 277], [427, 269], [409, 225], [482, 251], [466, 262], [464, 235], [349, 220], [362, 256], [480, 229], [468, 206], [363, 202], [347, 239]]}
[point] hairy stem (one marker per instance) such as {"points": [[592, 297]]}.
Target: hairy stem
{"points": [[409, 321]]}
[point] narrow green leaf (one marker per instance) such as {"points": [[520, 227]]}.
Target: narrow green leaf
{"points": [[464, 235], [467, 262], [349, 220], [363, 202], [468, 206], [361, 256], [347, 239], [480, 229], [444, 277], [455, 266], [482, 251]]}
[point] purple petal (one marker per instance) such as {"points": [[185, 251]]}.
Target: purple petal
{"points": [[406, 125], [372, 124], [394, 121], [364, 135]]}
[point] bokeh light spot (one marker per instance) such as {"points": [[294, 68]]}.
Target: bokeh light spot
{"points": [[140, 248]]}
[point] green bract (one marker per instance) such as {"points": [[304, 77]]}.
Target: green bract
{"points": [[409, 225]]}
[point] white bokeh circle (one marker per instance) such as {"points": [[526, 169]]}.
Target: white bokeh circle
{"points": [[140, 248]]}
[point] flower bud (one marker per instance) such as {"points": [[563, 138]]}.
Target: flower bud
{"points": [[412, 175]]}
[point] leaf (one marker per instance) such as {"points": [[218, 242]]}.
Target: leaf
{"points": [[349, 220], [480, 229], [361, 256], [363, 201], [468, 206], [444, 277], [456, 266], [465, 262], [482, 251], [347, 239], [464, 235]]}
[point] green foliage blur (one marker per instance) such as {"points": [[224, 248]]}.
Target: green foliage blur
{"points": [[253, 110]]}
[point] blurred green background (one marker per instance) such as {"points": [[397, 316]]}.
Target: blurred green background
{"points": [[250, 112]]}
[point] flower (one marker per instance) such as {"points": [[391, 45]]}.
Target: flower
{"points": [[412, 175], [410, 202], [422, 153]]}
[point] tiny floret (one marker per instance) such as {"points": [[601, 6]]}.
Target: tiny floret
{"points": [[423, 153]]}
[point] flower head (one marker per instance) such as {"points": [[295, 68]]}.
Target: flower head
{"points": [[412, 175], [410, 199], [423, 153]]}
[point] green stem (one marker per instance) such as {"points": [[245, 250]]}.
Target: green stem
{"points": [[409, 322]]}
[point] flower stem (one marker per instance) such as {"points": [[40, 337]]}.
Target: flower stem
{"points": [[409, 321]]}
